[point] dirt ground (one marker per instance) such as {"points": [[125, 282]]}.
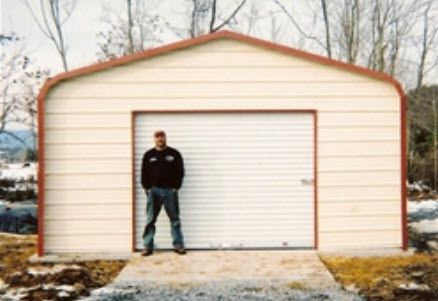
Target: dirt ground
{"points": [[48, 281], [402, 278]]}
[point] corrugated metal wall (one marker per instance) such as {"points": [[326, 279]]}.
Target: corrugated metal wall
{"points": [[88, 139], [243, 185]]}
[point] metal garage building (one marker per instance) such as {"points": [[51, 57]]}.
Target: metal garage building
{"points": [[282, 149]]}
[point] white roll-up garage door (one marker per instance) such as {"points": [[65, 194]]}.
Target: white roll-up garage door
{"points": [[248, 178]]}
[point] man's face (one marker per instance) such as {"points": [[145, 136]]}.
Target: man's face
{"points": [[160, 139]]}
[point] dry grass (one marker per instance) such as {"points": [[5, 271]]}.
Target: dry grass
{"points": [[14, 252], [296, 285], [84, 276], [379, 277]]}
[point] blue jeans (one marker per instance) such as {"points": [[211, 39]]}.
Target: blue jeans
{"points": [[156, 197]]}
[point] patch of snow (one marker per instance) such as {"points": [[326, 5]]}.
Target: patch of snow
{"points": [[35, 271], [3, 285], [14, 294], [108, 290], [59, 267], [65, 287], [433, 245], [63, 294], [55, 269], [414, 286], [352, 288], [428, 205], [423, 210], [417, 186], [426, 226], [22, 173], [48, 286]]}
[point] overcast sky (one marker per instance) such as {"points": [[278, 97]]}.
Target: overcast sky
{"points": [[81, 29], [80, 33]]}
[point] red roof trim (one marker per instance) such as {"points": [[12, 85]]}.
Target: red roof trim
{"points": [[217, 35], [197, 41]]}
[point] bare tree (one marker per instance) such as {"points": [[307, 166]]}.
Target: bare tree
{"points": [[19, 85], [51, 21], [423, 118], [391, 27], [130, 25], [224, 22], [350, 16], [128, 31], [275, 28], [253, 16], [327, 28], [376, 34], [299, 28], [9, 63], [198, 16], [428, 39], [379, 19], [205, 17], [256, 17]]}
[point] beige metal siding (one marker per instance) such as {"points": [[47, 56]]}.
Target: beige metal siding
{"points": [[88, 139]]}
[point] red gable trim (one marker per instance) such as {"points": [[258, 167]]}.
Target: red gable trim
{"points": [[197, 41], [214, 36]]}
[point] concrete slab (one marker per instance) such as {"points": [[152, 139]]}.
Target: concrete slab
{"points": [[198, 266]]}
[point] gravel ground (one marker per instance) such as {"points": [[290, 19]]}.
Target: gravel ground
{"points": [[218, 290]]}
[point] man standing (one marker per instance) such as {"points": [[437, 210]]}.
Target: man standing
{"points": [[162, 173]]}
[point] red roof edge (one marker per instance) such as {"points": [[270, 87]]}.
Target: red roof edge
{"points": [[216, 35]]}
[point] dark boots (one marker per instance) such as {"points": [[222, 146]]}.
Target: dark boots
{"points": [[148, 251], [180, 250]]}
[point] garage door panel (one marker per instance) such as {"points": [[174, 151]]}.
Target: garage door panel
{"points": [[248, 178], [240, 155], [210, 196], [200, 214]]}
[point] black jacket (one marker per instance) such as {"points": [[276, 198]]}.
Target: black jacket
{"points": [[163, 168]]}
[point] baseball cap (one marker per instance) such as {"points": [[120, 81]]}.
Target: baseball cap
{"points": [[159, 132]]}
